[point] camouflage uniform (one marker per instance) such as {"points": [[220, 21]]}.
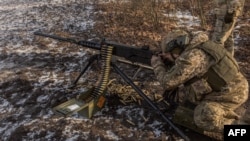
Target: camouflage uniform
{"points": [[215, 108], [227, 12]]}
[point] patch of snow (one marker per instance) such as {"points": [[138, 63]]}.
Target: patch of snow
{"points": [[185, 19], [112, 136], [42, 98], [155, 125], [6, 106]]}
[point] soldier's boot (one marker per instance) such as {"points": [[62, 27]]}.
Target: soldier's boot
{"points": [[241, 121], [214, 135], [184, 117], [245, 118]]}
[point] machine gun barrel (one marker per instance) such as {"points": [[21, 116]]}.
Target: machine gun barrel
{"points": [[134, 54], [93, 45]]}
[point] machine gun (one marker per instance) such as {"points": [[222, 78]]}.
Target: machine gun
{"points": [[93, 100], [134, 54]]}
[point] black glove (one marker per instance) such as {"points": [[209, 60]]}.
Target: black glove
{"points": [[229, 17]]}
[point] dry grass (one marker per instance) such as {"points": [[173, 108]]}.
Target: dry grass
{"points": [[142, 22]]}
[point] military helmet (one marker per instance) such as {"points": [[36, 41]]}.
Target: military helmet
{"points": [[175, 41]]}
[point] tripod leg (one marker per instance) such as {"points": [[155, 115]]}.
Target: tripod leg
{"points": [[155, 107], [138, 70], [90, 61]]}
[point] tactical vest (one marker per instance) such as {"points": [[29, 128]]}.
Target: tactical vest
{"points": [[223, 70]]}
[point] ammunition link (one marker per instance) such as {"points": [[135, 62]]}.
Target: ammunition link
{"points": [[106, 55]]}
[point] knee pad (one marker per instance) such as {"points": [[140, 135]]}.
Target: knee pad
{"points": [[185, 117]]}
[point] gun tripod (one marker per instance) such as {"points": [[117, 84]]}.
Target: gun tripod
{"points": [[137, 89]]}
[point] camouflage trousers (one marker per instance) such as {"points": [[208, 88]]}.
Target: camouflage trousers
{"points": [[217, 109], [210, 112]]}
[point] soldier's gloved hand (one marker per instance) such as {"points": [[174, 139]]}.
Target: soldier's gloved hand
{"points": [[229, 17], [155, 59]]}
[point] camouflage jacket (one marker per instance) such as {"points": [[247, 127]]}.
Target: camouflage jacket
{"points": [[193, 63]]}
